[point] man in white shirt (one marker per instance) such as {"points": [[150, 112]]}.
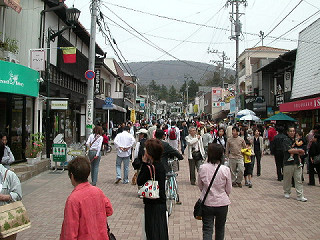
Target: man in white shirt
{"points": [[152, 129], [174, 138], [124, 142]]}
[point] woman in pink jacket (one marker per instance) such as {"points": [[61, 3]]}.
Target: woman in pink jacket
{"points": [[215, 207]]}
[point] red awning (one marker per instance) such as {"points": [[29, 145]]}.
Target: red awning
{"points": [[14, 4], [307, 104]]}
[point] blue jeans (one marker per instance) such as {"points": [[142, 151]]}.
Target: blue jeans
{"points": [[125, 161], [183, 145], [94, 166]]}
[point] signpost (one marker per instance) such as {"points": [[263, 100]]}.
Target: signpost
{"points": [[108, 105], [89, 114], [89, 75]]}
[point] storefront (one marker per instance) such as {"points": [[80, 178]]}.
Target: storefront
{"points": [[305, 111], [18, 89]]}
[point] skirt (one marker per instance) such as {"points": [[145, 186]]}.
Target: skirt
{"points": [[156, 222]]}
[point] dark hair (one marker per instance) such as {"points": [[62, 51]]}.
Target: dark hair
{"points": [[255, 129], [173, 123], [153, 122], [316, 127], [235, 128], [208, 128], [98, 130], [154, 149], [248, 142], [280, 129], [299, 132], [159, 134], [215, 153], [126, 128], [158, 126], [317, 136], [3, 134], [1, 150], [222, 128], [79, 168]]}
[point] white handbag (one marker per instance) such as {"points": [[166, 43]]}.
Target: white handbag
{"points": [[151, 188]]}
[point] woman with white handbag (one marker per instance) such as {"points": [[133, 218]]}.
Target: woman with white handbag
{"points": [[152, 177]]}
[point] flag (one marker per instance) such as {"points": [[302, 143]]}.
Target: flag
{"points": [[69, 54]]}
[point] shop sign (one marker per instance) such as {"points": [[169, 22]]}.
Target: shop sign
{"points": [[133, 116], [59, 152], [18, 79], [279, 100], [59, 105], [89, 114], [308, 104], [37, 61], [97, 82]]}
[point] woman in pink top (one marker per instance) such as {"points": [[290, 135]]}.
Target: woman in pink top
{"points": [[216, 205], [87, 208]]}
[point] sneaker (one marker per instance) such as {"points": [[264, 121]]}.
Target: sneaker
{"points": [[287, 195], [246, 183], [290, 159], [117, 180], [302, 199], [239, 185], [234, 184], [300, 165], [178, 203], [250, 185]]}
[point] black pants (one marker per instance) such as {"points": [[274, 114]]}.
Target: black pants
{"points": [[183, 145], [311, 172], [278, 157], [211, 214], [258, 157]]}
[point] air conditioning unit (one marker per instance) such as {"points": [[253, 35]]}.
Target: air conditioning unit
{"points": [[10, 57]]}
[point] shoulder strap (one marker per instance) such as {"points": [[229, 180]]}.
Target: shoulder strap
{"points": [[5, 176], [95, 139], [151, 174], [214, 175]]}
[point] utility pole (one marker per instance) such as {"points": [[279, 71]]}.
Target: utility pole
{"points": [[236, 25], [223, 61], [261, 35], [92, 56]]}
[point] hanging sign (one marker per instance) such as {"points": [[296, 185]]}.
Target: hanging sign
{"points": [[37, 60]]}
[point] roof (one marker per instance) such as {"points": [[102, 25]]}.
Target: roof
{"points": [[265, 48], [282, 61]]}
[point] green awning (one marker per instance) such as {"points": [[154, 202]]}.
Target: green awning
{"points": [[18, 79], [280, 117]]}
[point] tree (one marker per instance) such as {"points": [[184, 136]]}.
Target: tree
{"points": [[173, 96], [193, 89], [163, 93]]}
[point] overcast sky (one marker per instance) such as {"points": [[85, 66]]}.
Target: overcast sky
{"points": [[190, 42]]}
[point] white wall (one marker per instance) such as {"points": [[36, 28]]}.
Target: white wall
{"points": [[24, 27]]}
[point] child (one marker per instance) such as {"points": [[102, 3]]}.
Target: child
{"points": [[248, 167], [298, 144]]}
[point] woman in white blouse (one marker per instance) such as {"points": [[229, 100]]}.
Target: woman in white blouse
{"points": [[196, 153], [94, 144]]}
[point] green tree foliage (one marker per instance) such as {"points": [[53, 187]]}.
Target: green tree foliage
{"points": [[173, 96], [163, 93]]}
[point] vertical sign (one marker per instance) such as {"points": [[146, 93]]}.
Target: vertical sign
{"points": [[133, 116], [97, 82], [89, 114]]}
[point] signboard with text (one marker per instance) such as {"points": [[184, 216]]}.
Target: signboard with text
{"points": [[89, 114], [37, 60]]}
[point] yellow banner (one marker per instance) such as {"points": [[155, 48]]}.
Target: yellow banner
{"points": [[133, 116]]}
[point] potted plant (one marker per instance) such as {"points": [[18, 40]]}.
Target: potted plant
{"points": [[34, 148], [9, 48]]}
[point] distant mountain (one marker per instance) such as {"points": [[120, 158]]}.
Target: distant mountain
{"points": [[170, 72]]}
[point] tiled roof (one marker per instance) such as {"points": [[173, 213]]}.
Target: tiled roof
{"points": [[265, 48]]}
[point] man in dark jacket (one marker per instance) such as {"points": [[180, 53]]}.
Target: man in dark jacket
{"points": [[168, 151], [278, 151], [183, 133]]}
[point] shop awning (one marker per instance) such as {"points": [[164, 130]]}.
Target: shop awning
{"points": [[307, 104], [14, 4], [18, 79]]}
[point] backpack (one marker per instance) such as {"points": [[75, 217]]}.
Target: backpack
{"points": [[173, 134]]}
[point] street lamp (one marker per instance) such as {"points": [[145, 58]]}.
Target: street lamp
{"points": [[72, 16]]}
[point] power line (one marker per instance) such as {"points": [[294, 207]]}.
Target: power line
{"points": [[296, 26], [279, 22], [188, 22], [144, 39]]}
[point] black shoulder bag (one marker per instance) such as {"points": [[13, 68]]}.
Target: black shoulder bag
{"points": [[197, 211]]}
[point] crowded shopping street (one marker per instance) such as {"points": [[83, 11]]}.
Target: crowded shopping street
{"points": [[260, 212]]}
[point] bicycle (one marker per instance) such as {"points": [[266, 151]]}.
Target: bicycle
{"points": [[172, 194]]}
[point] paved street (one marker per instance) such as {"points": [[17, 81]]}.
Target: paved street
{"points": [[258, 213]]}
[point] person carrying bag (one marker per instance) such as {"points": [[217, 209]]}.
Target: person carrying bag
{"points": [[215, 197]]}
